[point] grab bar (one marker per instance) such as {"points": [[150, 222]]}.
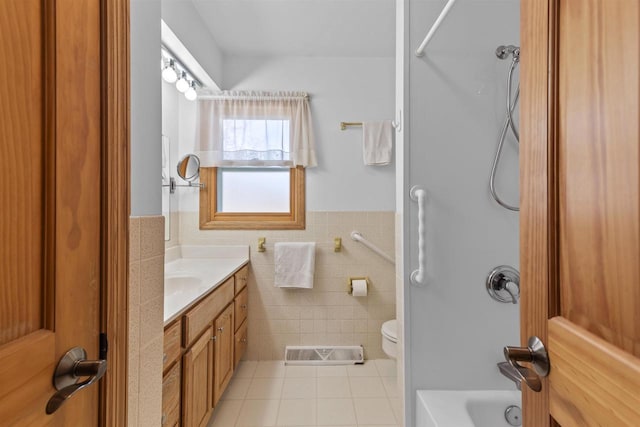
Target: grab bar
{"points": [[435, 26], [418, 194], [357, 236]]}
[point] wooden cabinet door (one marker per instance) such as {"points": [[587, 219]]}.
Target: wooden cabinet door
{"points": [[50, 215], [580, 208], [197, 396], [224, 345], [241, 308], [171, 383], [241, 344]]}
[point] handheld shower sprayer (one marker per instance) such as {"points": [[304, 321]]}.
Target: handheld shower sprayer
{"points": [[503, 52]]}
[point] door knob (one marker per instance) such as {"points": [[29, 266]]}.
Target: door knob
{"points": [[73, 365], [534, 353]]}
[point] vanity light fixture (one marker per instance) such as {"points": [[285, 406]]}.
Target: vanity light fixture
{"points": [[182, 84], [174, 72], [191, 94], [169, 73]]}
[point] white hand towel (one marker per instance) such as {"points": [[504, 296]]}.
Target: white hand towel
{"points": [[377, 142], [295, 264]]}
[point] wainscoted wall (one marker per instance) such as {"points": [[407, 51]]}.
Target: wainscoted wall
{"points": [[146, 301], [325, 314]]}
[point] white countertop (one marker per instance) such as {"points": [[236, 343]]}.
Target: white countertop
{"points": [[187, 279]]}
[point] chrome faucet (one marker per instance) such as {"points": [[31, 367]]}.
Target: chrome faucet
{"points": [[510, 372]]}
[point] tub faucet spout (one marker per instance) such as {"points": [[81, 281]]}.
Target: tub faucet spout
{"points": [[510, 372]]}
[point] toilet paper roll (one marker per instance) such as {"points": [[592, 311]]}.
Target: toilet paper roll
{"points": [[359, 288]]}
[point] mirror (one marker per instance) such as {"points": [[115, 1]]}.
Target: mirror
{"points": [[189, 167]]}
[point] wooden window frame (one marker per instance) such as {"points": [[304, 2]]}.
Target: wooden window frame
{"points": [[211, 219]]}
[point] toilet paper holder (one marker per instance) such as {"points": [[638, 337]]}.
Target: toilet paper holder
{"points": [[350, 283]]}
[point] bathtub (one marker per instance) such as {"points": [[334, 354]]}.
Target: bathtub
{"points": [[483, 408]]}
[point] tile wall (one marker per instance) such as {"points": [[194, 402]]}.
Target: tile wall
{"points": [[326, 314], [146, 300]]}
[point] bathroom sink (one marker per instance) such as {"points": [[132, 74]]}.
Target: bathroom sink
{"points": [[174, 285]]}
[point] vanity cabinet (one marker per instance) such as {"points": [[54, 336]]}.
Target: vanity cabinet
{"points": [[172, 378], [240, 344], [242, 277], [224, 344], [202, 348], [198, 381], [241, 306], [171, 390]]}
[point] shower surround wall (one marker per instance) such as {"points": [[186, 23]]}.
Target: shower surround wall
{"points": [[455, 101]]}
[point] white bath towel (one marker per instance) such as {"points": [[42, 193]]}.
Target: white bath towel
{"points": [[377, 142], [295, 264]]}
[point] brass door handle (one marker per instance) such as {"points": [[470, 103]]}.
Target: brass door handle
{"points": [[536, 354], [73, 365]]}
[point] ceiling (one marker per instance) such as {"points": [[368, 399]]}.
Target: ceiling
{"points": [[343, 28]]}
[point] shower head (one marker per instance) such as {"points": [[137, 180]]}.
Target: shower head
{"points": [[503, 52]]}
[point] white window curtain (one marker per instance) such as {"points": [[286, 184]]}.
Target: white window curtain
{"points": [[255, 129]]}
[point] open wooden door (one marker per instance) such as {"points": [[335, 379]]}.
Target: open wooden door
{"points": [[580, 208], [50, 214]]}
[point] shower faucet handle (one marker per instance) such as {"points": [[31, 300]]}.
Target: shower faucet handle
{"points": [[513, 289], [503, 284]]}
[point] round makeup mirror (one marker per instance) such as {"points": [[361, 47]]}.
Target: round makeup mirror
{"points": [[189, 167]]}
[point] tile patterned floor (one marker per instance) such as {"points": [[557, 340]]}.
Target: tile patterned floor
{"points": [[266, 394]]}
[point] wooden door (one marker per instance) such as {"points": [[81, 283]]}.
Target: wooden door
{"points": [[580, 208], [197, 396], [225, 342], [50, 135]]}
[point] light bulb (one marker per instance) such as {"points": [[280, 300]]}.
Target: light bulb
{"points": [[191, 94], [169, 72], [182, 84]]}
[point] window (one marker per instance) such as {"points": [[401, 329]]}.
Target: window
{"points": [[257, 145], [253, 198]]}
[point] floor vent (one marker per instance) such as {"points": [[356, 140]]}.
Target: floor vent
{"points": [[323, 355]]}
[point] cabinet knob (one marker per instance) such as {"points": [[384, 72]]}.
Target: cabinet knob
{"points": [[243, 340], [243, 306], [213, 338], [220, 329]]}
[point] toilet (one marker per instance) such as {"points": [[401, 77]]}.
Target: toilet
{"points": [[389, 332]]}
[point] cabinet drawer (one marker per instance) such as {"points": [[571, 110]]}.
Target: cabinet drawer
{"points": [[241, 305], [201, 316], [172, 335], [242, 277], [171, 397], [241, 343]]}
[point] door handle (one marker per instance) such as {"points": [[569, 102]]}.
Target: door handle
{"points": [[73, 365], [534, 353]]}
